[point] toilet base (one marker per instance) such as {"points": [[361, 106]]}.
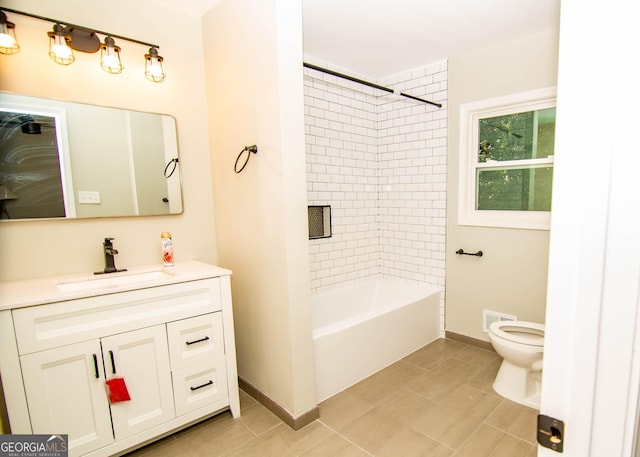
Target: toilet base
{"points": [[518, 384]]}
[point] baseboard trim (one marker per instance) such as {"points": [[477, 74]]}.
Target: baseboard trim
{"points": [[469, 340], [295, 423]]}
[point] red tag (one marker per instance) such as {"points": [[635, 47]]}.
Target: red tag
{"points": [[117, 390]]}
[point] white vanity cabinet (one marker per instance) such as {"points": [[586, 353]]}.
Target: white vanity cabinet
{"points": [[171, 341]]}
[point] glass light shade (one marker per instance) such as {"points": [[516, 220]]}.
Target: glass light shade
{"points": [[153, 70], [8, 40], [59, 50], [110, 57]]}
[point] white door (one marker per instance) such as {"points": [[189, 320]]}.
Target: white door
{"points": [[141, 357], [592, 350], [66, 395]]}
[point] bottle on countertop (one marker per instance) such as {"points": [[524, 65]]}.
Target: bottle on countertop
{"points": [[167, 249]]}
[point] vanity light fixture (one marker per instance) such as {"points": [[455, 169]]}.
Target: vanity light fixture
{"points": [[8, 40], [66, 38], [110, 56], [153, 70], [59, 49]]}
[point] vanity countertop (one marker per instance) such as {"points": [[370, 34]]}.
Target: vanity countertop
{"points": [[29, 292]]}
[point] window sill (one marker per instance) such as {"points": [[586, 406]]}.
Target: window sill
{"points": [[531, 220]]}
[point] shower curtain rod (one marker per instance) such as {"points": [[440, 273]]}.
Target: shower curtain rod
{"points": [[367, 83]]}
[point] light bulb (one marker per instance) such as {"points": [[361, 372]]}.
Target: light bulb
{"points": [[155, 70], [6, 40], [110, 61], [61, 51]]}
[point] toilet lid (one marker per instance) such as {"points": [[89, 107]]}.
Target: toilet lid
{"points": [[529, 333]]}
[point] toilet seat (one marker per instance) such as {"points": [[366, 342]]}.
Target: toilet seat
{"points": [[521, 332]]}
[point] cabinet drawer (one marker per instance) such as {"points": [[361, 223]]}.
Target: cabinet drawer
{"points": [[199, 385], [195, 340], [57, 324]]}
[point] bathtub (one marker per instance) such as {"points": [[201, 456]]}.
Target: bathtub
{"points": [[362, 328]]}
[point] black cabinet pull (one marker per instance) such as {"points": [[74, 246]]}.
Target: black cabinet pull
{"points": [[189, 343], [113, 363], [95, 366], [201, 386]]}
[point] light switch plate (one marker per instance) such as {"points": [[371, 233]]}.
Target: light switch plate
{"points": [[88, 197]]}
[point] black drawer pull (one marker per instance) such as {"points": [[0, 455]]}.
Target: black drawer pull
{"points": [[95, 365], [189, 343], [203, 385]]}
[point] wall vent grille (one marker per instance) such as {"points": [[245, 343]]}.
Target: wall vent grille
{"points": [[489, 317]]}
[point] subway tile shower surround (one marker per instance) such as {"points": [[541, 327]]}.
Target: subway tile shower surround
{"points": [[379, 160]]}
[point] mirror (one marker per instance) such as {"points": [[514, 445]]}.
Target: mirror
{"points": [[65, 159]]}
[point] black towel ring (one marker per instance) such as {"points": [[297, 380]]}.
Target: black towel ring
{"points": [[248, 150], [173, 162]]}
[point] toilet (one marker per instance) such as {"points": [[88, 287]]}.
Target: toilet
{"points": [[521, 345]]}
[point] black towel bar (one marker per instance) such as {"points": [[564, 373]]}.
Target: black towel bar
{"points": [[461, 252]]}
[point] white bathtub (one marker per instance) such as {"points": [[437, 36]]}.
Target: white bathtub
{"points": [[360, 329]]}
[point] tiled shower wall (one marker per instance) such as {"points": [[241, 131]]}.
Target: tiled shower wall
{"points": [[379, 160], [342, 171], [412, 173]]}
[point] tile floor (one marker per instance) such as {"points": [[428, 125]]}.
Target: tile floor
{"points": [[436, 402]]}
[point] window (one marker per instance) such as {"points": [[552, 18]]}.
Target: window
{"points": [[506, 161]]}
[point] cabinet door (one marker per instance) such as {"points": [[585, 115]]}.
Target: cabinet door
{"points": [[141, 357], [66, 394]]}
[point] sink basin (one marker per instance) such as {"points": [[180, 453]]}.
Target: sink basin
{"points": [[110, 280]]}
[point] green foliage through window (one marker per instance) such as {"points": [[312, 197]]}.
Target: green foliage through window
{"points": [[526, 138], [515, 189]]}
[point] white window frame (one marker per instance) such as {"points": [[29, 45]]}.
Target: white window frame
{"points": [[470, 115]]}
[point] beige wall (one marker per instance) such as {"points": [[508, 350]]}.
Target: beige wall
{"points": [[38, 248], [147, 143], [253, 52], [90, 170], [512, 275]]}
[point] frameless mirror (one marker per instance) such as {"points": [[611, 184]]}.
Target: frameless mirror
{"points": [[64, 159]]}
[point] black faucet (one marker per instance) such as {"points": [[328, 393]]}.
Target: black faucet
{"points": [[109, 257]]}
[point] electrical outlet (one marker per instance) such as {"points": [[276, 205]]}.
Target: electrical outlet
{"points": [[88, 197]]}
